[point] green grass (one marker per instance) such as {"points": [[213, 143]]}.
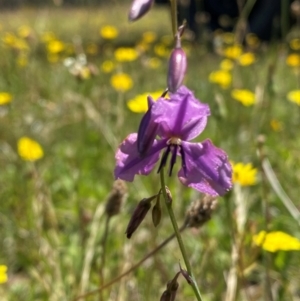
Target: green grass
{"points": [[47, 207]]}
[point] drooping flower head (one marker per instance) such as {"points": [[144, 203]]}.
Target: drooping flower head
{"points": [[169, 125]]}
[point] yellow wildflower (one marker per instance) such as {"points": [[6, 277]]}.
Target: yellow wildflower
{"points": [[293, 60], [3, 274], [55, 46], [9, 39], [161, 50], [121, 82], [48, 36], [29, 150], [228, 37], [246, 97], [107, 66], [167, 40], [221, 77], [276, 125], [109, 32], [5, 98], [276, 241], [226, 64], [246, 59], [125, 54], [154, 63], [22, 60], [295, 44], [233, 52], [139, 104], [294, 96], [244, 174], [92, 49], [252, 40], [24, 31], [149, 37]]}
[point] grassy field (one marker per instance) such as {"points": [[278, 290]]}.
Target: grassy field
{"points": [[66, 82]]}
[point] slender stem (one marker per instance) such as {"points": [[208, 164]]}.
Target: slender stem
{"points": [[178, 236], [174, 16], [132, 268]]}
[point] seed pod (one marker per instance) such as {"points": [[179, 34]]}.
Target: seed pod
{"points": [[177, 67], [139, 8], [115, 198]]}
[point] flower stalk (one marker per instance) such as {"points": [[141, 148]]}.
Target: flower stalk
{"points": [[168, 203]]}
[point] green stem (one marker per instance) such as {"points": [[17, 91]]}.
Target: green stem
{"points": [[174, 16], [178, 236]]}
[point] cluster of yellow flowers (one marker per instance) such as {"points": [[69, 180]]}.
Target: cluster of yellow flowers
{"points": [[234, 55]]}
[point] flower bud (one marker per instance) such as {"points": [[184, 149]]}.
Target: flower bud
{"points": [[138, 215], [156, 212], [115, 198], [177, 67], [139, 8]]}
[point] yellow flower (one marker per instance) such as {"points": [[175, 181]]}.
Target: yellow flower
{"points": [[161, 50], [276, 125], [293, 60], [246, 97], [294, 96], [220, 77], [55, 46], [154, 63], [149, 37], [233, 52], [3, 274], [139, 104], [9, 39], [244, 174], [228, 37], [5, 98], [29, 150], [252, 40], [107, 66], [121, 82], [125, 54], [295, 44], [226, 64], [48, 36], [24, 31], [276, 241], [92, 48], [246, 59], [109, 32]]}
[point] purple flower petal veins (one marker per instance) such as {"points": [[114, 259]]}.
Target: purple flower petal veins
{"points": [[139, 8], [170, 125]]}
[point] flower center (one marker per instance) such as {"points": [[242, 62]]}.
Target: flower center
{"points": [[174, 141]]}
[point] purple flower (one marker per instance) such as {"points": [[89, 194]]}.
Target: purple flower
{"points": [[175, 122], [139, 8]]}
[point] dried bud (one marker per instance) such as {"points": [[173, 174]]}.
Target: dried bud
{"points": [[169, 195], [156, 212], [166, 296], [138, 215], [186, 275], [115, 198], [139, 8], [200, 211], [177, 67]]}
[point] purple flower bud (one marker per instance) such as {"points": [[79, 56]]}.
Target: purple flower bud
{"points": [[177, 67], [139, 8]]}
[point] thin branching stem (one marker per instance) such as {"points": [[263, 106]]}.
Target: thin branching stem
{"points": [[168, 203]]}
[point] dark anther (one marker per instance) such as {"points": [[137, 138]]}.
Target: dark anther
{"points": [[183, 163], [164, 158], [173, 159]]}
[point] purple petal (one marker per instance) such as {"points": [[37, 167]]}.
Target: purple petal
{"points": [[147, 130], [139, 8], [182, 116], [128, 161], [208, 168]]}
